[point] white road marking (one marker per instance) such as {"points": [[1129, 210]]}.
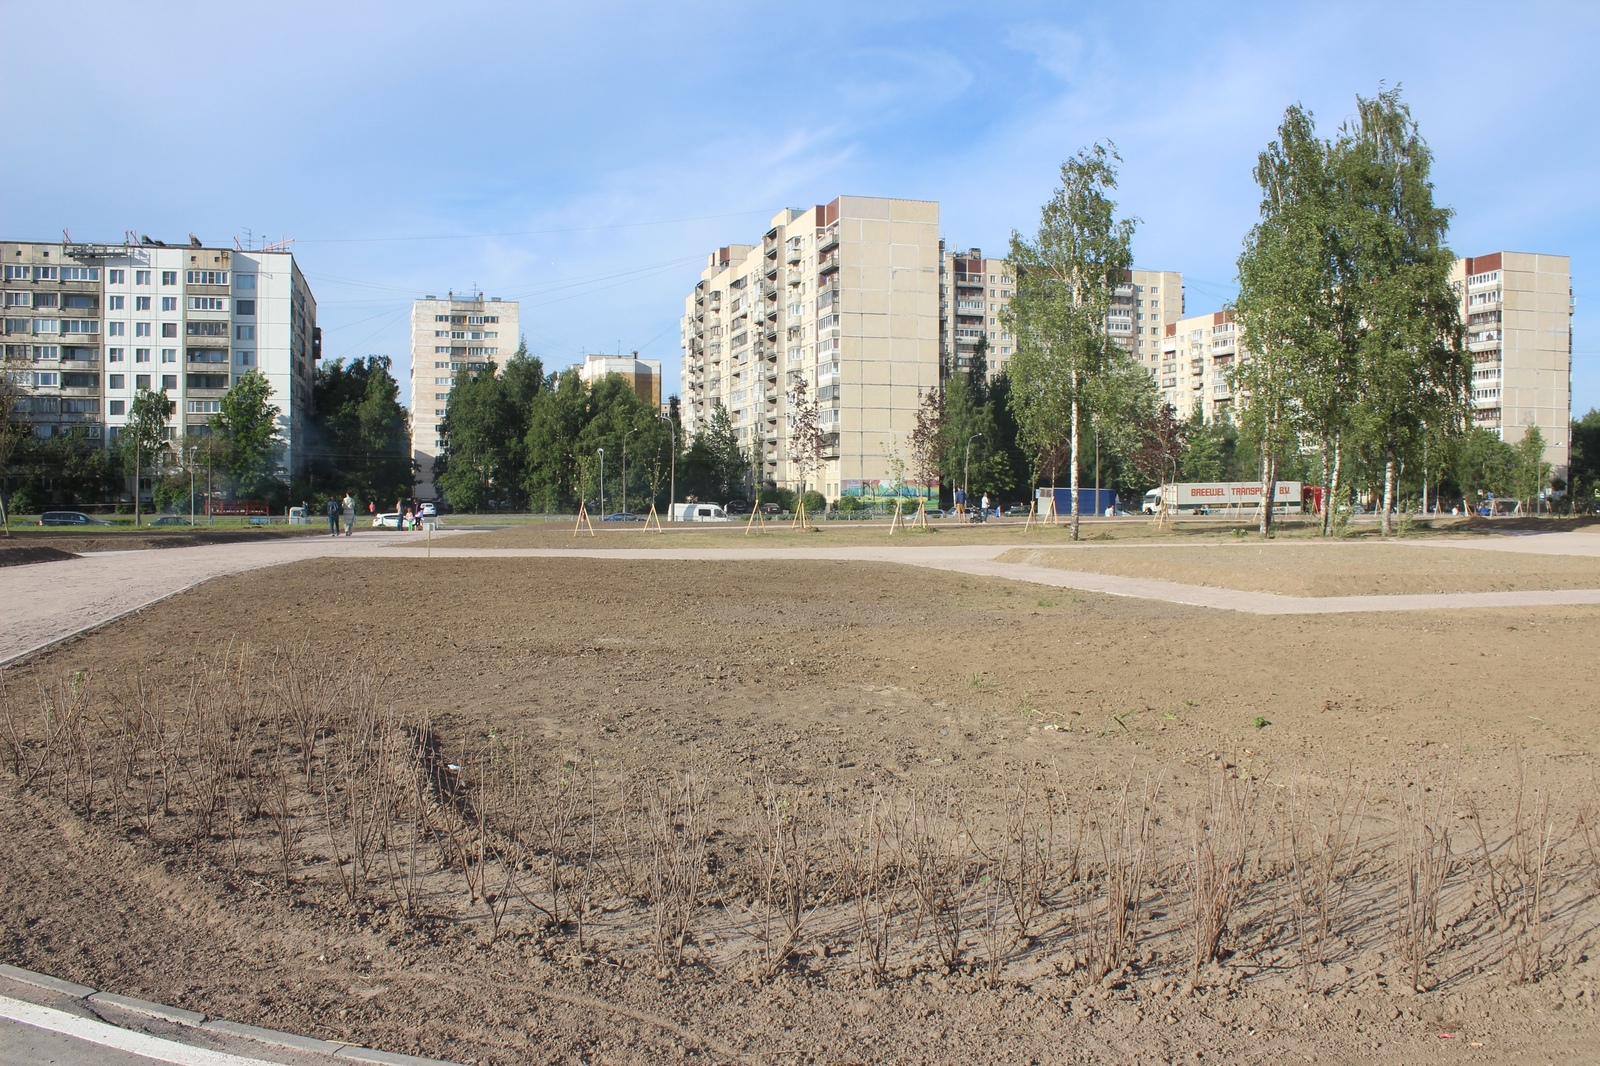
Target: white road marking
{"points": [[107, 1035]]}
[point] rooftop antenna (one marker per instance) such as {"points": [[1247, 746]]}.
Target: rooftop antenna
{"points": [[66, 237]]}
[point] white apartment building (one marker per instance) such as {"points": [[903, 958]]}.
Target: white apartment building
{"points": [[845, 296], [1192, 367], [1517, 307], [448, 337], [88, 325], [642, 375]]}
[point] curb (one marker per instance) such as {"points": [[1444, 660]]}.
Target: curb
{"points": [[196, 1020]]}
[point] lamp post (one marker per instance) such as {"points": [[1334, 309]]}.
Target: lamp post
{"points": [[672, 488], [625, 437], [966, 470], [601, 452]]}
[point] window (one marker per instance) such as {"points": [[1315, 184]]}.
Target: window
{"points": [[244, 307], [441, 396], [244, 281], [205, 277], [169, 355], [117, 381], [208, 381], [170, 329], [206, 355], [441, 366], [46, 325], [45, 351], [117, 407], [243, 333], [140, 329], [78, 301], [18, 273], [117, 329], [441, 349], [116, 276], [168, 303], [46, 299], [141, 355], [247, 358], [208, 303], [169, 277], [80, 273], [115, 355], [205, 407], [79, 381], [140, 303], [116, 303], [46, 274], [46, 378], [141, 381], [169, 381], [141, 277], [19, 299]]}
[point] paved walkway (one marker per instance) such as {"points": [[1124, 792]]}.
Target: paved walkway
{"points": [[45, 602]]}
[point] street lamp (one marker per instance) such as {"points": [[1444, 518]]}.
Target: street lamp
{"points": [[966, 470], [672, 489], [601, 452], [625, 437]]}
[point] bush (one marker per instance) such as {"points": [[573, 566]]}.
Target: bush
{"points": [[26, 500], [850, 504], [784, 498], [816, 503]]}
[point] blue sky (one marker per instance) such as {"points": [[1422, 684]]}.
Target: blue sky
{"points": [[583, 158]]}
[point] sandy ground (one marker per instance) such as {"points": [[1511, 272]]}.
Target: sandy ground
{"points": [[849, 678], [1357, 568]]}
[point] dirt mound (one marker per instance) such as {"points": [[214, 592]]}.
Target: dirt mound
{"points": [[33, 553]]}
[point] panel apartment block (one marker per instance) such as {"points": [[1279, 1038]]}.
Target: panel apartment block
{"points": [[844, 295], [1517, 307], [91, 324], [451, 336]]}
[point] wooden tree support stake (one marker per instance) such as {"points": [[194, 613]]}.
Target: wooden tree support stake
{"points": [[897, 524], [920, 520], [583, 519], [1033, 512], [653, 517], [756, 519]]}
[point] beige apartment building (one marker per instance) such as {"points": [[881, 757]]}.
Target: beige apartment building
{"points": [[1517, 307], [1192, 367], [844, 296], [642, 375], [448, 337]]}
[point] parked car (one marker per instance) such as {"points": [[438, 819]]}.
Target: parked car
{"points": [[621, 516], [771, 508], [934, 512], [172, 520], [737, 507], [390, 520], [428, 510], [1017, 510], [69, 518]]}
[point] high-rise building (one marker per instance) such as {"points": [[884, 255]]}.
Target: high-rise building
{"points": [[642, 375], [1517, 307], [844, 296], [1192, 367], [91, 324], [448, 337]]}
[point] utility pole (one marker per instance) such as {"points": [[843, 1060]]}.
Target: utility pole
{"points": [[672, 490], [601, 452]]}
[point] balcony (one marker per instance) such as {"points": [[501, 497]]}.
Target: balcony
{"points": [[828, 240], [828, 264], [772, 269], [793, 257], [795, 277]]}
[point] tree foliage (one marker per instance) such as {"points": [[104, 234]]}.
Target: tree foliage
{"points": [[248, 428], [361, 434]]}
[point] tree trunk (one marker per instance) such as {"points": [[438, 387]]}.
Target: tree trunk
{"points": [[1073, 462], [136, 484], [1269, 490], [1388, 489], [1331, 498]]}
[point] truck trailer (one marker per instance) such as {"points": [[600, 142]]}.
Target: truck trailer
{"points": [[1221, 497]]}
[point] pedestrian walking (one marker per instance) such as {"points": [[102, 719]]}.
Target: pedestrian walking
{"points": [[985, 511], [333, 516], [961, 502], [348, 507]]}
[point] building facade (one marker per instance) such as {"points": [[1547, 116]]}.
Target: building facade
{"points": [[642, 375], [1193, 366], [1517, 308], [843, 296], [88, 325], [448, 337]]}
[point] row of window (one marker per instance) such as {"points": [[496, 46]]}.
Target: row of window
{"points": [[70, 300], [28, 272], [52, 325]]}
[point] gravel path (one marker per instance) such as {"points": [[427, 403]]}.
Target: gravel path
{"points": [[46, 602]]}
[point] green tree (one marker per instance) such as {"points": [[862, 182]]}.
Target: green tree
{"points": [[1210, 449], [729, 463], [1583, 473], [553, 474], [1532, 471], [1412, 367], [248, 426], [143, 436], [1065, 279], [362, 435], [15, 429], [1483, 465], [473, 465]]}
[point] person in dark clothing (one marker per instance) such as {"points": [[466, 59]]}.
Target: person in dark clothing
{"points": [[333, 516]]}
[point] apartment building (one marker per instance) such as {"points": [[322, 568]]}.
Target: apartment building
{"points": [[88, 325], [973, 291], [1517, 308], [1192, 367], [844, 296], [451, 336], [642, 375]]}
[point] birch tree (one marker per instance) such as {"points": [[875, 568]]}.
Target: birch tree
{"points": [[1065, 278], [1412, 367], [144, 435]]}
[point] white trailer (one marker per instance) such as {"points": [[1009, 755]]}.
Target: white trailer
{"points": [[1221, 497]]}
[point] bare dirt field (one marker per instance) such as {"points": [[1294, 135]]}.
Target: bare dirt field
{"points": [[1339, 568], [575, 810]]}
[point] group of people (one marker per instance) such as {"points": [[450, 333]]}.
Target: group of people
{"points": [[983, 506], [344, 509]]}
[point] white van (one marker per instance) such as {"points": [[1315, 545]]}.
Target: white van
{"points": [[699, 512]]}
